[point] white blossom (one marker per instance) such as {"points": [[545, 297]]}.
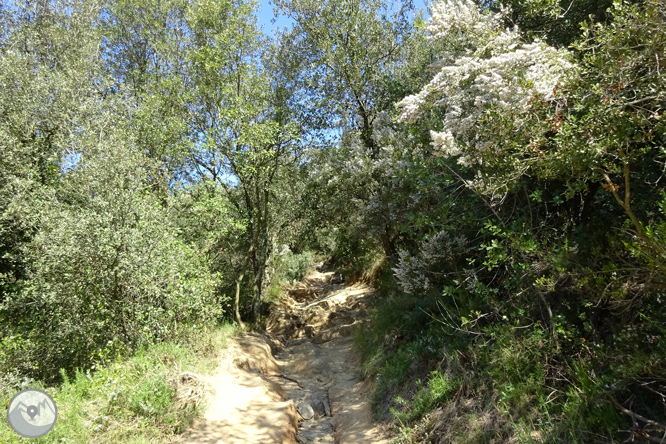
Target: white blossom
{"points": [[495, 68], [460, 17]]}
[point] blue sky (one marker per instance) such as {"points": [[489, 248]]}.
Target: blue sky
{"points": [[266, 14]]}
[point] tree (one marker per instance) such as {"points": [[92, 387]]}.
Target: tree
{"points": [[242, 134], [107, 270], [96, 265], [356, 59], [42, 105], [484, 68], [350, 52], [144, 51]]}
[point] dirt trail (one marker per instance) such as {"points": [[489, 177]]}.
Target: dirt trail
{"points": [[316, 321], [245, 406], [304, 386]]}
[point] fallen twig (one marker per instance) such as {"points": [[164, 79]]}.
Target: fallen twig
{"points": [[628, 412]]}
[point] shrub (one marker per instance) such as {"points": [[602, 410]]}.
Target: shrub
{"points": [[291, 267], [107, 272]]}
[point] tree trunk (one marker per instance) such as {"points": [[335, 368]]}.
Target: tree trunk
{"points": [[236, 301], [388, 242], [259, 268], [257, 287]]}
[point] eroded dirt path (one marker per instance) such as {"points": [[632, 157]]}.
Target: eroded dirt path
{"points": [[299, 383], [316, 322], [244, 406]]}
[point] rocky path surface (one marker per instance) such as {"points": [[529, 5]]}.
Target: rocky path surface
{"points": [[300, 382], [316, 322]]}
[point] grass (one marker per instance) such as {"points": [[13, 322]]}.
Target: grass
{"points": [[147, 398], [427, 397]]}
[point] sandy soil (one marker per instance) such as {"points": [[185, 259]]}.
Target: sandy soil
{"points": [[300, 382], [245, 406]]}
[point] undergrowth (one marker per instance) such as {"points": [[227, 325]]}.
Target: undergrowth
{"points": [[292, 267], [503, 381], [149, 397]]}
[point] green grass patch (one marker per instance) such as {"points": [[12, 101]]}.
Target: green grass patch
{"points": [[437, 391], [132, 400]]}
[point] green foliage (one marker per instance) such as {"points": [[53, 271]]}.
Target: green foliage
{"points": [[293, 267], [427, 397], [354, 71], [556, 21], [133, 400], [108, 271], [42, 108]]}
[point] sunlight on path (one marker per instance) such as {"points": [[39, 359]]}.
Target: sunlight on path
{"points": [[246, 407], [312, 391]]}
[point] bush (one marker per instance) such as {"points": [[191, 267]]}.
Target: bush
{"points": [[107, 272], [291, 267]]}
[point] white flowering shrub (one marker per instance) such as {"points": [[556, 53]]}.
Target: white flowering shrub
{"points": [[369, 195], [484, 68], [438, 259]]}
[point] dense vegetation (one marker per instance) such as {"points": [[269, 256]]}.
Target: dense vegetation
{"points": [[495, 168]]}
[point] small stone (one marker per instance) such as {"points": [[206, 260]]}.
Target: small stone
{"points": [[305, 410], [318, 407]]}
